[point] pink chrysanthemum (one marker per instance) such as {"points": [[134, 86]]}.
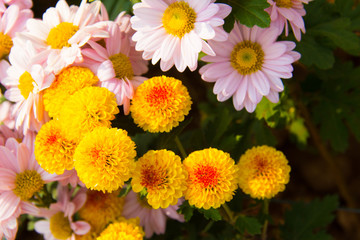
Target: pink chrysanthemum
{"points": [[22, 4], [12, 21], [25, 83], [20, 178], [175, 31], [152, 220], [59, 223], [63, 31], [284, 11], [249, 66], [118, 65]]}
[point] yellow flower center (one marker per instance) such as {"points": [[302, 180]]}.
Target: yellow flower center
{"points": [[122, 66], [247, 57], [26, 84], [284, 3], [5, 45], [179, 19], [27, 183], [60, 226], [59, 36]]}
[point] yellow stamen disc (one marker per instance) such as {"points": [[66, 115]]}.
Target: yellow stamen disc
{"points": [[247, 57], [59, 36], [179, 19]]}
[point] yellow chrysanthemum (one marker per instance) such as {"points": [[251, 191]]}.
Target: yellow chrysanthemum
{"points": [[212, 178], [54, 148], [104, 159], [160, 103], [163, 175], [125, 229], [88, 108], [100, 209], [263, 172], [66, 83]]}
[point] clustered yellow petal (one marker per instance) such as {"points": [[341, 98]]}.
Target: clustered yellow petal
{"points": [[54, 148], [66, 83], [125, 229], [263, 172], [88, 108], [212, 178], [104, 159], [160, 103], [162, 174], [100, 209]]}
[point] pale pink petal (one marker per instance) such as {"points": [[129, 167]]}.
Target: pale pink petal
{"points": [[7, 179], [9, 204], [80, 227]]}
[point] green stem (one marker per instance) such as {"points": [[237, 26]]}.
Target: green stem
{"points": [[229, 213], [39, 199], [207, 227], [266, 213], [180, 147]]}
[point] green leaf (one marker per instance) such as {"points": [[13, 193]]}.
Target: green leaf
{"points": [[211, 213], [266, 110], [298, 129], [251, 12], [307, 221], [332, 127], [338, 31], [313, 53], [222, 125], [248, 224], [186, 210], [125, 191], [114, 7]]}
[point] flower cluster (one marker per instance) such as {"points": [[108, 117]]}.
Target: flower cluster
{"points": [[67, 74]]}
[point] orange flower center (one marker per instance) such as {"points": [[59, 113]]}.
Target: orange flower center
{"points": [[206, 176], [153, 178], [159, 95]]}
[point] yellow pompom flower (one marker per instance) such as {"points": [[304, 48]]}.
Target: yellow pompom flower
{"points": [[125, 229], [88, 108], [104, 159], [160, 103], [54, 148], [212, 178], [66, 83], [100, 209], [263, 172], [163, 175]]}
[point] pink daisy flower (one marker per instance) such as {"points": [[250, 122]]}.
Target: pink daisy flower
{"points": [[175, 31], [6, 133], [6, 117], [63, 31], [153, 220], [59, 223], [249, 65], [22, 4], [25, 82], [118, 65], [284, 11], [12, 21], [20, 178]]}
